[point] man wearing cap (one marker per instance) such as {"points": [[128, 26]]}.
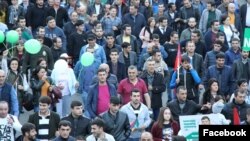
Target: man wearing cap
{"points": [[117, 123], [99, 52]]}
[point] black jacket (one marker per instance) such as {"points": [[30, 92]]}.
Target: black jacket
{"points": [[121, 70], [81, 128], [60, 15], [197, 63], [118, 126], [53, 122], [158, 87], [163, 36], [190, 108], [227, 111]]}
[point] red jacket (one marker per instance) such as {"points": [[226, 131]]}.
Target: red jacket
{"points": [[157, 131]]}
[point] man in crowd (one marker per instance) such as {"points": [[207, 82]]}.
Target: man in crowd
{"points": [[8, 123], [117, 123], [80, 124], [45, 120], [64, 129], [28, 133]]}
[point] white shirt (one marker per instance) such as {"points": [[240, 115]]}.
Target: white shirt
{"points": [[248, 15], [97, 8], [108, 137], [6, 129]]}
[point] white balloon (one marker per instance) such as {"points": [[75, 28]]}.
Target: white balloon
{"points": [[61, 65]]}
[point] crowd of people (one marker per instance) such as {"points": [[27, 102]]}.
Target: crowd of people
{"points": [[137, 66]]}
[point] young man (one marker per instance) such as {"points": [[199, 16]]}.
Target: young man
{"points": [[247, 121], [117, 123], [64, 130], [46, 121], [80, 124], [8, 123], [97, 129], [205, 120], [188, 77], [138, 115], [28, 133], [99, 95]]}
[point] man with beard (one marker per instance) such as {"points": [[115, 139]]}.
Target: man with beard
{"points": [[117, 123], [208, 15], [98, 134], [210, 58], [223, 74], [138, 115], [186, 33], [241, 67], [28, 133]]}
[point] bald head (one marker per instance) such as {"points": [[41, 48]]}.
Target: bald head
{"points": [[146, 136], [104, 66], [2, 77]]}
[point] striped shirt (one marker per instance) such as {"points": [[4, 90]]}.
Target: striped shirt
{"points": [[43, 128]]}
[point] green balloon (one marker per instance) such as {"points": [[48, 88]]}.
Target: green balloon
{"points": [[1, 36], [87, 59], [32, 46], [12, 36]]}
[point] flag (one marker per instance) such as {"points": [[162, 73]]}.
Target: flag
{"points": [[177, 59], [236, 117]]}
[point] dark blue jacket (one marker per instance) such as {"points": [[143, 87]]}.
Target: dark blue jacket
{"points": [[226, 80], [93, 98], [231, 56]]}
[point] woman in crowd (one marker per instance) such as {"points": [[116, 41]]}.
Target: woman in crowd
{"points": [[43, 63], [147, 32], [41, 85], [65, 79], [165, 127]]}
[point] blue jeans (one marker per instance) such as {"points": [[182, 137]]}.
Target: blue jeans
{"points": [[171, 95], [84, 99]]}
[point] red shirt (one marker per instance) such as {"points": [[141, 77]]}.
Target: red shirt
{"points": [[125, 87], [103, 99]]}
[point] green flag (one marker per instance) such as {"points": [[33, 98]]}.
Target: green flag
{"points": [[246, 44]]}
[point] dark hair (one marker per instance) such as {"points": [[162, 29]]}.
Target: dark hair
{"points": [[173, 33], [55, 39], [188, 42], [95, 23], [155, 50], [180, 88], [205, 117], [101, 70], [219, 34], [20, 18], [98, 122], [64, 123], [115, 100], [134, 90], [197, 32], [79, 22], [114, 50], [39, 62], [160, 119], [155, 36], [75, 103], [36, 70], [220, 55], [14, 59], [237, 91], [27, 127], [40, 27], [161, 19], [223, 18], [211, 2], [49, 18], [207, 94], [219, 97], [170, 5], [218, 42], [110, 34], [185, 58], [235, 39], [241, 81], [214, 21], [125, 45], [125, 26], [45, 99]]}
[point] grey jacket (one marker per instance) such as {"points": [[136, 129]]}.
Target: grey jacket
{"points": [[204, 17], [132, 57]]}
